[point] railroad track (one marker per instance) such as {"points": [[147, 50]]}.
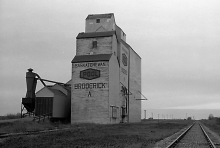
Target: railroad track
{"points": [[6, 135], [193, 137]]}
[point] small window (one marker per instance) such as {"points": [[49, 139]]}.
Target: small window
{"points": [[97, 20], [114, 112], [94, 44]]}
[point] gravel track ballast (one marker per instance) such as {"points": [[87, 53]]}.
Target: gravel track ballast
{"points": [[193, 139]]}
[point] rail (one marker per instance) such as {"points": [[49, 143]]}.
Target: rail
{"points": [[211, 144], [6, 135], [173, 144], [177, 140]]}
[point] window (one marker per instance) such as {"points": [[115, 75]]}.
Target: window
{"points": [[114, 112], [94, 44], [97, 20]]}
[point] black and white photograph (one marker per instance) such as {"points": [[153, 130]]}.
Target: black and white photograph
{"points": [[107, 74]]}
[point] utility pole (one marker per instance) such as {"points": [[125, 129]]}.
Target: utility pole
{"points": [[144, 114]]}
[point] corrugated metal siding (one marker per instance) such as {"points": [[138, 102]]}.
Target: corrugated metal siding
{"points": [[43, 105]]}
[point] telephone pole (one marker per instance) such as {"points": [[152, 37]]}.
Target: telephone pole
{"points": [[144, 114]]}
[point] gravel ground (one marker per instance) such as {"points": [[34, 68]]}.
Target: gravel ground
{"points": [[194, 139]]}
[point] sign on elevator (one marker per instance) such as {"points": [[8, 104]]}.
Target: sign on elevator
{"points": [[90, 74]]}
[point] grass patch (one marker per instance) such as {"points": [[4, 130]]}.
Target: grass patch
{"points": [[135, 135], [23, 126], [213, 124]]}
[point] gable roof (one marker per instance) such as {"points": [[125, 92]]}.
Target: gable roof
{"points": [[57, 92], [95, 16], [65, 86], [91, 58], [95, 34], [54, 91]]}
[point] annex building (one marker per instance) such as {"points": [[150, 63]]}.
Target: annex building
{"points": [[106, 74]]}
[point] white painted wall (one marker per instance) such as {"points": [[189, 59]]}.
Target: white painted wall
{"points": [[94, 108]]}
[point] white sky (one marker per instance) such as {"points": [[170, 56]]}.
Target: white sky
{"points": [[178, 41]]}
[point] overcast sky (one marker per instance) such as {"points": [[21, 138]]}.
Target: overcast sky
{"points": [[178, 40]]}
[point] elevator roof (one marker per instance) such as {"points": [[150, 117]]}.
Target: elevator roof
{"points": [[95, 16], [91, 58], [95, 34]]}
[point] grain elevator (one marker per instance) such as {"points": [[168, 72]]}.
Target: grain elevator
{"points": [[105, 87], [106, 74]]}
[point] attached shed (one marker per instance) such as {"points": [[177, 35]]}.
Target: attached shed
{"points": [[53, 101]]}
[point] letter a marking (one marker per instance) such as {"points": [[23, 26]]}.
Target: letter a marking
{"points": [[89, 95]]}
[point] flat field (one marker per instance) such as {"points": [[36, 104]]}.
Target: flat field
{"points": [[128, 135]]}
